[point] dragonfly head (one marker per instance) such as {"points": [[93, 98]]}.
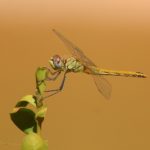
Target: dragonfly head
{"points": [[56, 62]]}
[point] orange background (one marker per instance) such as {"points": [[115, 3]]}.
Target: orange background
{"points": [[113, 33]]}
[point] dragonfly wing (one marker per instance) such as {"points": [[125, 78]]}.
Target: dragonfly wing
{"points": [[103, 86], [75, 51]]}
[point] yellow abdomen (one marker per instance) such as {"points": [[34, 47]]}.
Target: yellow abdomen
{"points": [[98, 71]]}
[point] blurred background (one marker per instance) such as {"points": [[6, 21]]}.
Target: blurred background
{"points": [[115, 35]]}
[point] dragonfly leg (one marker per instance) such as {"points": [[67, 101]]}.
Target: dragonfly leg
{"points": [[54, 74], [49, 70], [57, 90], [54, 77]]}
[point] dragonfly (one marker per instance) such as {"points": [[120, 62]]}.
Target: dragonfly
{"points": [[79, 62]]}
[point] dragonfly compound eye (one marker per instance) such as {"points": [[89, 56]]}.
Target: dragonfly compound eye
{"points": [[56, 62]]}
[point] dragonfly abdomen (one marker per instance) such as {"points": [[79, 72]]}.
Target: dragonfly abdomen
{"points": [[98, 71]]}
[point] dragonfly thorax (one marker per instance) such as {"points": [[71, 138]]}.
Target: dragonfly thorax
{"points": [[74, 65]]}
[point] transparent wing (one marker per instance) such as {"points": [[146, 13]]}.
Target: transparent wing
{"points": [[102, 84], [75, 51]]}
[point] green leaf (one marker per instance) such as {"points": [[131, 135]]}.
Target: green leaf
{"points": [[40, 115], [24, 119], [41, 88], [28, 99], [34, 141], [41, 112], [41, 74]]}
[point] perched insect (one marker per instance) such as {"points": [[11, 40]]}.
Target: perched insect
{"points": [[80, 63]]}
